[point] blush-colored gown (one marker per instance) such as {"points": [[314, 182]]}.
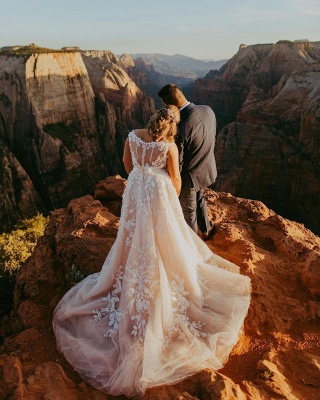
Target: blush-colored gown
{"points": [[164, 306]]}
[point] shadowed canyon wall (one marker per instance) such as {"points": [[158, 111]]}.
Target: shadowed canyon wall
{"points": [[150, 80], [64, 117], [267, 102]]}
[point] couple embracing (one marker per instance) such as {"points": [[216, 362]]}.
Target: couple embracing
{"points": [[163, 306], [196, 140]]}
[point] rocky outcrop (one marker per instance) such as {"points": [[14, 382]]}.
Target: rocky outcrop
{"points": [[127, 60], [263, 69], [48, 123], [276, 357], [272, 92], [65, 121], [120, 104], [18, 196], [112, 83]]}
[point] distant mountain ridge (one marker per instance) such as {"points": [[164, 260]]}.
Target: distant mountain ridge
{"points": [[179, 65], [149, 80]]}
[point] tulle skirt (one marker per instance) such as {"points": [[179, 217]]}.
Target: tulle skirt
{"points": [[162, 308]]}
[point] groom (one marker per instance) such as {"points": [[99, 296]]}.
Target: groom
{"points": [[196, 140]]}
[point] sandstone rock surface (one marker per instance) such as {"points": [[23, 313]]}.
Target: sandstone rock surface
{"points": [[277, 357], [65, 121], [121, 105], [111, 82], [272, 92], [18, 196]]}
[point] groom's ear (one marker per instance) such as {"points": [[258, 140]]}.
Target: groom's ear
{"points": [[172, 94]]}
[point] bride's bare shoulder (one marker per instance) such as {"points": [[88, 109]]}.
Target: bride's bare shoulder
{"points": [[143, 134], [140, 132]]}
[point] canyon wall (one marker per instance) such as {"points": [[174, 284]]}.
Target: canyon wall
{"points": [[18, 197], [120, 104], [150, 80], [64, 117], [267, 103]]}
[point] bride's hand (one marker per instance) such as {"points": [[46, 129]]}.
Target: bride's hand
{"points": [[127, 160], [173, 167]]}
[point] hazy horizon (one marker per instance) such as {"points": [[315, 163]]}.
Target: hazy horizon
{"points": [[204, 30]]}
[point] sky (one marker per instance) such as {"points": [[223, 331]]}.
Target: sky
{"points": [[202, 29]]}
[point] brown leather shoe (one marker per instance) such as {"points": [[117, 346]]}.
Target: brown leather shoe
{"points": [[209, 235]]}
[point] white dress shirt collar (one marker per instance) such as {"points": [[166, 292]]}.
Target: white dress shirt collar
{"points": [[181, 108]]}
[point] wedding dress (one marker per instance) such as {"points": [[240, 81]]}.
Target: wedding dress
{"points": [[163, 306]]}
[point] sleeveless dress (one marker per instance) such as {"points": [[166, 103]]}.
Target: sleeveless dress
{"points": [[164, 306]]}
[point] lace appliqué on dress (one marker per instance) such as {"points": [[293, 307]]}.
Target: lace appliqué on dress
{"points": [[110, 308], [148, 160], [181, 306], [140, 275], [141, 294]]}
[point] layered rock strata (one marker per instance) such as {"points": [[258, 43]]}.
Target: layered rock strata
{"points": [[120, 104], [272, 92], [18, 196], [64, 123]]}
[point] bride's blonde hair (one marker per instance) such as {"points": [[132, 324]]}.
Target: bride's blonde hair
{"points": [[163, 124]]}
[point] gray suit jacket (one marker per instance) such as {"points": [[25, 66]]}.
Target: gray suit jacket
{"points": [[196, 140]]}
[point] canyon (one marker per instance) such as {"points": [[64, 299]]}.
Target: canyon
{"points": [[267, 103], [149, 79], [278, 353], [64, 117]]}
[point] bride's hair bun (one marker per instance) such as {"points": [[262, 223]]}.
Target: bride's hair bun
{"points": [[163, 124]]}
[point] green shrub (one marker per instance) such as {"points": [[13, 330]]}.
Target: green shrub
{"points": [[15, 248], [18, 245]]}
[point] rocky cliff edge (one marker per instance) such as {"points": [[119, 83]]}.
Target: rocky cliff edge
{"points": [[278, 355]]}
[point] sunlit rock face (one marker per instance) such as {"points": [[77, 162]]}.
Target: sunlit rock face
{"points": [[48, 123], [272, 93], [120, 104], [111, 82], [64, 124]]}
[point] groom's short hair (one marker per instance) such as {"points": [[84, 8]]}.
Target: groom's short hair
{"points": [[172, 94]]}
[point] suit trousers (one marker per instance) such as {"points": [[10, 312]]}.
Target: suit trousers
{"points": [[194, 206]]}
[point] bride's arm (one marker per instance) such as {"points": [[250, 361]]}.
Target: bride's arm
{"points": [[173, 167], [127, 160]]}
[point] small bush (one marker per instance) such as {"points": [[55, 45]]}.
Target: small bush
{"points": [[15, 248], [18, 245]]}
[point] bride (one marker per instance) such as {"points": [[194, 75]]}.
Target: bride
{"points": [[163, 306]]}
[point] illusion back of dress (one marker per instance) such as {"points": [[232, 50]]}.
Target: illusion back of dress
{"points": [[148, 154]]}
